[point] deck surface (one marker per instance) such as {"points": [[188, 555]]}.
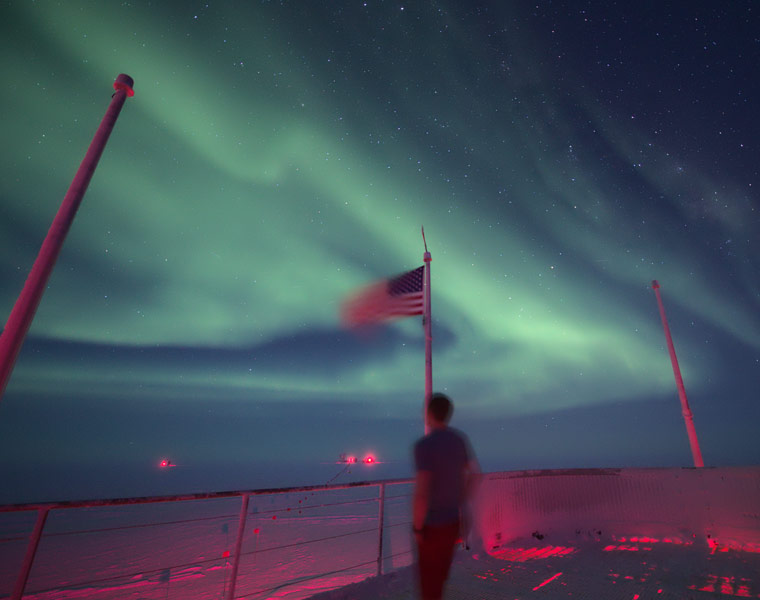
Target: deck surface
{"points": [[598, 571]]}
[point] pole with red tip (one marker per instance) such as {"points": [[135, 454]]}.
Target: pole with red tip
{"points": [[26, 305], [687, 416]]}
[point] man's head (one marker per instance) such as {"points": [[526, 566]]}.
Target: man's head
{"points": [[440, 409]]}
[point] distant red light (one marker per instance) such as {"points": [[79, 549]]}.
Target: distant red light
{"points": [[369, 459], [351, 459], [164, 463]]}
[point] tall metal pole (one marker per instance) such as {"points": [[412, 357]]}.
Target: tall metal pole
{"points": [[26, 305], [687, 416], [428, 327]]}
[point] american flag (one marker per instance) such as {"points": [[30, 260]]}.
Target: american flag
{"points": [[400, 296]]}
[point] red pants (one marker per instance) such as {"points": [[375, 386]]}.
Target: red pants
{"points": [[435, 551]]}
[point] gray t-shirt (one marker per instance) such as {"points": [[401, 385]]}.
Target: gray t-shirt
{"points": [[445, 453]]}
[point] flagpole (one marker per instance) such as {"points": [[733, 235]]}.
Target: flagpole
{"points": [[688, 418], [428, 327], [23, 311]]}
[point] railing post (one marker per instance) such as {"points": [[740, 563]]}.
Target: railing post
{"points": [[238, 546], [31, 550], [380, 523]]}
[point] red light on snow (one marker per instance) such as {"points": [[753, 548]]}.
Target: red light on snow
{"points": [[542, 584], [526, 554], [717, 546], [728, 586], [624, 547], [649, 540]]}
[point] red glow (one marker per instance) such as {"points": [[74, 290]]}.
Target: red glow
{"points": [[525, 554], [552, 578], [728, 586], [712, 543], [717, 546], [226, 554], [119, 85], [351, 460], [649, 540], [623, 547], [369, 459], [164, 463], [743, 591], [256, 531]]}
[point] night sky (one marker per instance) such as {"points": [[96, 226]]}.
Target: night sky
{"points": [[277, 156]]}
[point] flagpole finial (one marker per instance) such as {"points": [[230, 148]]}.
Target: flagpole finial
{"points": [[426, 257]]}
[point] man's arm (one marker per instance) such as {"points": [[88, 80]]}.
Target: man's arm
{"points": [[421, 498]]}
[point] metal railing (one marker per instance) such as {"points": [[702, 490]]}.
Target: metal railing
{"points": [[325, 510], [295, 542]]}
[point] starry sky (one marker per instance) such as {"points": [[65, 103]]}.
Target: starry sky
{"points": [[277, 156]]}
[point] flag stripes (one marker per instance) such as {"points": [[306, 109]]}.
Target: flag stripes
{"points": [[400, 296]]}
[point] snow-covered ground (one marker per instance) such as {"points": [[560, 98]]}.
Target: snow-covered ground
{"points": [[590, 570]]}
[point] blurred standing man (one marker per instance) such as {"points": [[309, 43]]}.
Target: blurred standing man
{"points": [[446, 468]]}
